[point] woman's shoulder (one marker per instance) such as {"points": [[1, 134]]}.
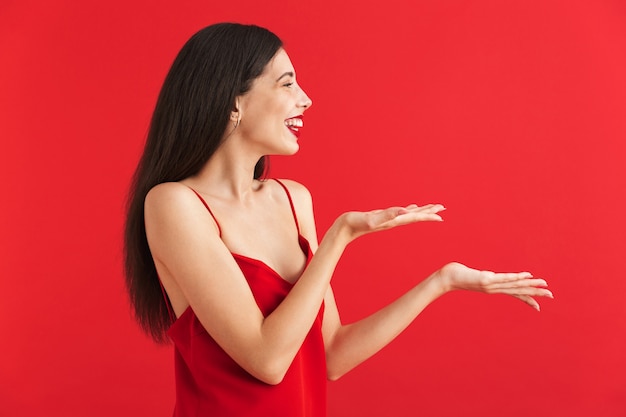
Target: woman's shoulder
{"points": [[173, 204], [303, 206], [299, 193], [170, 195], [168, 190]]}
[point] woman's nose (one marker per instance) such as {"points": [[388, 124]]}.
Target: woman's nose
{"points": [[305, 101]]}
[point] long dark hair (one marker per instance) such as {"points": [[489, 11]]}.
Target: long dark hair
{"points": [[198, 95]]}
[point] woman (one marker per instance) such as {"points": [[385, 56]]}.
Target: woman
{"points": [[221, 261]]}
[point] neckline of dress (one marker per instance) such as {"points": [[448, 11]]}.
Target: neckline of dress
{"points": [[306, 249]]}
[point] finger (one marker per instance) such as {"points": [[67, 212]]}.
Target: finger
{"points": [[398, 216], [403, 220], [530, 291], [411, 208], [534, 282], [428, 207], [413, 217], [512, 276], [529, 300], [381, 218], [424, 207], [500, 277], [421, 214]]}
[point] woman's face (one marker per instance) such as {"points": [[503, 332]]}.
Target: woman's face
{"points": [[271, 111]]}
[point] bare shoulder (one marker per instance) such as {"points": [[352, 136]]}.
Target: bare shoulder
{"points": [[175, 204], [299, 193], [303, 204], [172, 197], [167, 193]]}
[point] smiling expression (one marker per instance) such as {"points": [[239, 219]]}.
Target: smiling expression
{"points": [[271, 111]]}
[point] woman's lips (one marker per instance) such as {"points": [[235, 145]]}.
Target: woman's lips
{"points": [[294, 124]]}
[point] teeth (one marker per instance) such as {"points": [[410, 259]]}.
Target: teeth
{"points": [[294, 122]]}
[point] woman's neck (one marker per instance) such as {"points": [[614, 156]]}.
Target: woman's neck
{"points": [[228, 174]]}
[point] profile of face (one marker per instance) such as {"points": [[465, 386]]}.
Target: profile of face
{"points": [[270, 113]]}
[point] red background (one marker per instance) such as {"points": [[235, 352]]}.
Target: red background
{"points": [[512, 114]]}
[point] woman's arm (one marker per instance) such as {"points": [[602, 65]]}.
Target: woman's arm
{"points": [[193, 261], [349, 345]]}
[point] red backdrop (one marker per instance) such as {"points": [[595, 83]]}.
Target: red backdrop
{"points": [[509, 113]]}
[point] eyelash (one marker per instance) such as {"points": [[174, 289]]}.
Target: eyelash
{"points": [[287, 85]]}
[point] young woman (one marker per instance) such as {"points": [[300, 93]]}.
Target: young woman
{"points": [[220, 260]]}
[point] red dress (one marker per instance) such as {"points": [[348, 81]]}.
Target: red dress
{"points": [[210, 383]]}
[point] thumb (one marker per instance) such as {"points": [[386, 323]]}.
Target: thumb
{"points": [[391, 213]]}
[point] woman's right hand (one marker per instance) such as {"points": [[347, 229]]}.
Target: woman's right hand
{"points": [[354, 224]]}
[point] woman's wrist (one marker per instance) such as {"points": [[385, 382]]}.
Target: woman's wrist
{"points": [[444, 278], [335, 239], [339, 232]]}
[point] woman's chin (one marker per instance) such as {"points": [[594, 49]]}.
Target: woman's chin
{"points": [[290, 149]]}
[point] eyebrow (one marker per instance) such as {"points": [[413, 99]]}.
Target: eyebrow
{"points": [[287, 74]]}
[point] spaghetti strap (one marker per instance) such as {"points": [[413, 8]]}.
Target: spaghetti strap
{"points": [[219, 229], [168, 304], [293, 210]]}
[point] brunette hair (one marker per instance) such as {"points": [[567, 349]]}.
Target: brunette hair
{"points": [[216, 65]]}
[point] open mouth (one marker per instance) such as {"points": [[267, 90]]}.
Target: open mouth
{"points": [[294, 124]]}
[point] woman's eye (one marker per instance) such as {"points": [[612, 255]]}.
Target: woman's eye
{"points": [[287, 84]]}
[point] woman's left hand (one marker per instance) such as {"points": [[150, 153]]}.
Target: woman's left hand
{"points": [[521, 285]]}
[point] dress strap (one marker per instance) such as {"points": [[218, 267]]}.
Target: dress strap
{"points": [[219, 229], [168, 304], [293, 210]]}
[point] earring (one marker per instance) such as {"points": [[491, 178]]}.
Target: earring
{"points": [[238, 113]]}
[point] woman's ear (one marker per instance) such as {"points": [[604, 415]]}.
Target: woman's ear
{"points": [[235, 114]]}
